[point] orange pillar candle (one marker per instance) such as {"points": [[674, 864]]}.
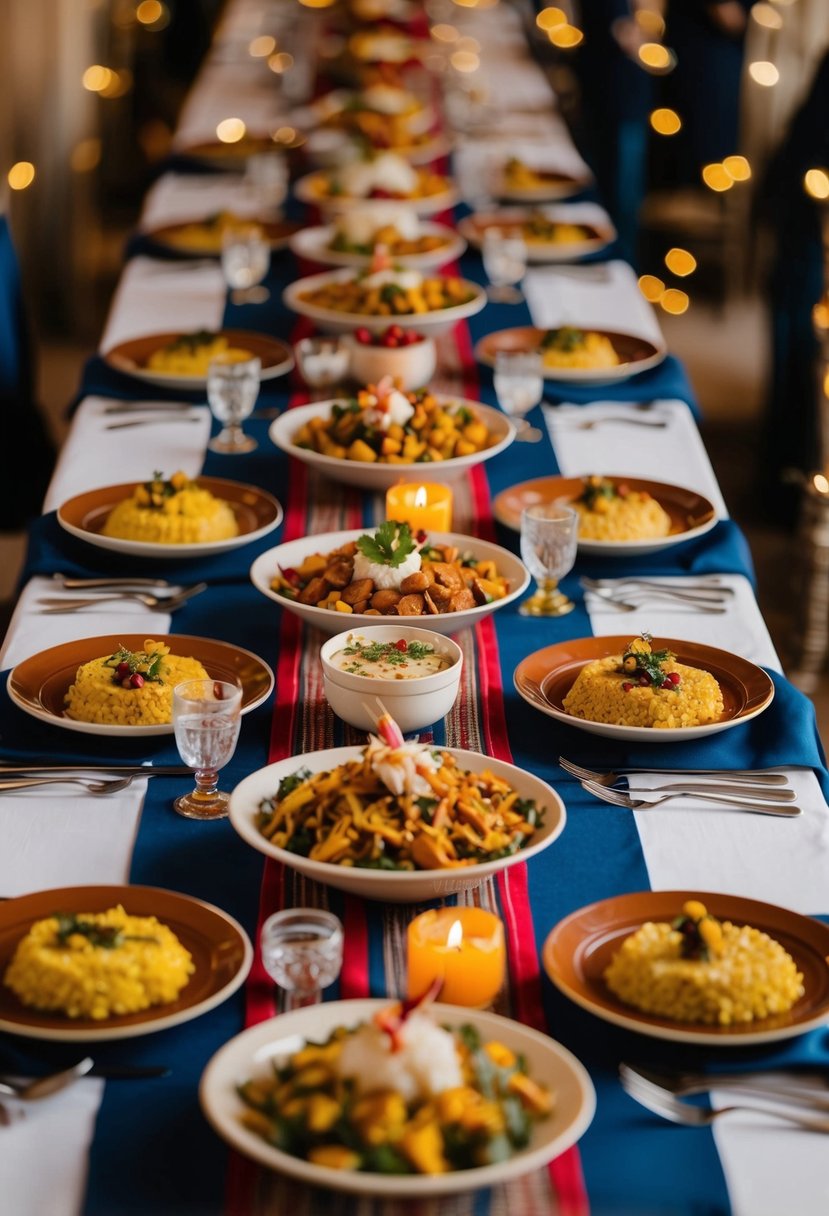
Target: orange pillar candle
{"points": [[462, 946], [426, 505]]}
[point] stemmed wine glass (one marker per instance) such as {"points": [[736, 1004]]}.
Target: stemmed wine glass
{"points": [[548, 548], [519, 385], [266, 177], [505, 262], [246, 256], [232, 389], [302, 952], [206, 721]]}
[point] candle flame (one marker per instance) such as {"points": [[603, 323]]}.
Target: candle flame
{"points": [[455, 936], [420, 501]]}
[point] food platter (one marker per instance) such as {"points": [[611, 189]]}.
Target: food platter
{"points": [[691, 513], [309, 190], [580, 947], [257, 513], [635, 354], [252, 1053], [38, 685], [544, 678], [221, 951], [333, 321], [380, 476], [314, 245], [174, 237], [509, 219], [131, 356], [555, 184], [397, 886], [292, 554]]}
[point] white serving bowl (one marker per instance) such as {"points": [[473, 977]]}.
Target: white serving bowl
{"points": [[380, 476], [293, 553], [414, 703], [412, 366], [394, 886], [330, 321], [314, 245]]}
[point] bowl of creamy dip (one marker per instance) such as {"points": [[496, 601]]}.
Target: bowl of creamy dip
{"points": [[416, 673]]}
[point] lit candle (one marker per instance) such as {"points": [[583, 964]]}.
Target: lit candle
{"points": [[427, 506], [464, 947]]}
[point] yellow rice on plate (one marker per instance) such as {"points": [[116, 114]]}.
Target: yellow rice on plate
{"points": [[609, 690], [142, 963], [174, 512], [192, 354], [575, 348], [614, 512], [746, 977], [96, 695]]}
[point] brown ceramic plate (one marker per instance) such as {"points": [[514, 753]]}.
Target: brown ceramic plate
{"points": [[173, 236], [257, 513], [132, 356], [691, 513], [635, 354], [38, 685], [580, 947], [216, 153], [220, 948], [551, 185], [512, 219], [545, 677]]}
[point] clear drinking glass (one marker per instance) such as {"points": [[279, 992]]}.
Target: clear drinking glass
{"points": [[519, 385], [246, 256], [322, 360], [505, 262], [302, 952], [206, 720], [232, 389], [548, 549], [266, 177]]}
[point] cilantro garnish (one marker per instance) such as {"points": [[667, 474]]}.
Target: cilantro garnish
{"points": [[108, 937], [565, 339], [374, 652], [390, 546]]}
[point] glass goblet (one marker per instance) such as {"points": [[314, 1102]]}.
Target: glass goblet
{"points": [[323, 360], [266, 177], [505, 262], [302, 952], [206, 721], [548, 549], [232, 389], [246, 257], [519, 385]]}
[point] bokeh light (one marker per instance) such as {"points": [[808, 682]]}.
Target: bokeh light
{"points": [[153, 14], [231, 130], [767, 15], [565, 36], [717, 177], [465, 61], [763, 72], [282, 61], [666, 121], [675, 302], [816, 182], [444, 33], [261, 47], [86, 155], [737, 168], [96, 78], [21, 175], [656, 57], [651, 287], [548, 18], [680, 262]]}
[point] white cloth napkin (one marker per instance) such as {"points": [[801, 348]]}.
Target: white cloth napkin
{"points": [[95, 456], [156, 296], [243, 90], [673, 454], [555, 298]]}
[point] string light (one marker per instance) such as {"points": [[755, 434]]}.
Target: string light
{"points": [[565, 36], [656, 58], [650, 22], [680, 262], [820, 483], [96, 78], [737, 168], [282, 61], [444, 33], [21, 175], [816, 182], [717, 178], [231, 130], [826, 394], [153, 14], [765, 14], [675, 302], [548, 18], [665, 121], [119, 84], [763, 72], [651, 287], [465, 61], [262, 46]]}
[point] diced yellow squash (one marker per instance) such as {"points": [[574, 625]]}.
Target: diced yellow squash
{"points": [[334, 1157], [360, 450], [323, 1112], [500, 1055], [423, 1146], [391, 447], [256, 1122], [531, 1093]]}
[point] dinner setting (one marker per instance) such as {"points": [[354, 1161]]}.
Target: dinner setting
{"points": [[378, 838]]}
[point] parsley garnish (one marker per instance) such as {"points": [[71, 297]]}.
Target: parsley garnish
{"points": [[565, 339], [108, 937], [376, 651], [390, 546]]}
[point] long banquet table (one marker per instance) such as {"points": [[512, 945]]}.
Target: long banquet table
{"points": [[142, 1146]]}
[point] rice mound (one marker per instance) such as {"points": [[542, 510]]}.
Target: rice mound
{"points": [[637, 516], [597, 695], [86, 980], [753, 977], [96, 697], [191, 516]]}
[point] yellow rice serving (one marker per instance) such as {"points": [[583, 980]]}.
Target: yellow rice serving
{"points": [[743, 975], [611, 511], [569, 347], [106, 693], [174, 512], [98, 965], [643, 688]]}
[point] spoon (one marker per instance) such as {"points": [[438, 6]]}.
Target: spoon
{"points": [[44, 1087]]}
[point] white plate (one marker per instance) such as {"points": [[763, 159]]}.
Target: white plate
{"points": [[293, 553], [394, 886], [379, 476], [334, 322], [251, 1053], [313, 244], [541, 252], [336, 203]]}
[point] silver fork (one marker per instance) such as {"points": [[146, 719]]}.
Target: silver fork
{"points": [[689, 604], [744, 802], [669, 1107], [692, 788], [90, 584], [782, 1085], [753, 776], [164, 603], [592, 423], [694, 592], [107, 786]]}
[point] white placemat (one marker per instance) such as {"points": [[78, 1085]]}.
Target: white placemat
{"points": [[591, 299]]}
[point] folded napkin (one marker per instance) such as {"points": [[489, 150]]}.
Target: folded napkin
{"points": [[179, 197], [557, 298], [160, 297]]}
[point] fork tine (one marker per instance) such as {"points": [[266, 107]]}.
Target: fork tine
{"points": [[575, 770], [615, 797]]}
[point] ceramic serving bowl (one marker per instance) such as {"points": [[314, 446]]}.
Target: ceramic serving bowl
{"points": [[411, 366], [414, 702]]}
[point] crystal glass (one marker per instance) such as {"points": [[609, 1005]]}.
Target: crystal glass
{"points": [[549, 535], [302, 952], [266, 178], [232, 389], [246, 257], [322, 360], [505, 262], [519, 385], [206, 720]]}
